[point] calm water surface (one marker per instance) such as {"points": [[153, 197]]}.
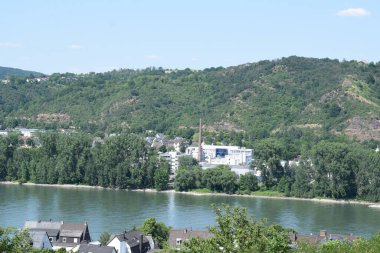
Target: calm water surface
{"points": [[114, 211]]}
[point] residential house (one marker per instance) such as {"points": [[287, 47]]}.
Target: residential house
{"points": [[178, 236], [40, 239], [130, 242], [90, 248], [60, 234], [72, 235], [52, 228], [320, 238]]}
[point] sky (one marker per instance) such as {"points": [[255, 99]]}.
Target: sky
{"points": [[99, 35]]}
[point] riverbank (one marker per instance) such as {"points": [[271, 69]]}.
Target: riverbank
{"points": [[257, 194]]}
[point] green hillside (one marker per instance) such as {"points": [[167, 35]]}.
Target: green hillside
{"points": [[288, 96], [8, 72]]}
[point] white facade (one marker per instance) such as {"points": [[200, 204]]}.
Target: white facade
{"points": [[120, 246], [225, 155], [173, 158], [28, 132]]}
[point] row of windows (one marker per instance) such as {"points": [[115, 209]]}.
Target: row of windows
{"points": [[64, 239]]}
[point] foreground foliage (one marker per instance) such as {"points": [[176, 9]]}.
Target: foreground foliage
{"points": [[235, 232], [158, 230], [18, 241], [358, 246]]}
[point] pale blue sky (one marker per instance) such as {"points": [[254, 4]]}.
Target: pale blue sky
{"points": [[99, 35]]}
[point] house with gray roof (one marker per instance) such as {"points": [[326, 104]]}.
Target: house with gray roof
{"points": [[130, 242], [178, 236], [322, 237], [52, 228], [90, 248], [60, 234], [74, 233], [40, 239]]}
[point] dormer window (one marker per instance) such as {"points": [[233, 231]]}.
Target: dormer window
{"points": [[178, 241]]}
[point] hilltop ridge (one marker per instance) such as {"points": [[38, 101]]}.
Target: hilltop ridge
{"points": [[260, 99], [14, 72]]}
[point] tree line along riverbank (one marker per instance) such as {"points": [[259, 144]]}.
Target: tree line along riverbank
{"points": [[328, 170]]}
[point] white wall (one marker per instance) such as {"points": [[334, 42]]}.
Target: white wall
{"points": [[118, 245]]}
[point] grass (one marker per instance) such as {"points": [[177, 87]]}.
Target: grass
{"points": [[268, 193], [201, 190]]}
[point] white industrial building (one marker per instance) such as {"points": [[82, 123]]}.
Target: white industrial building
{"points": [[226, 155]]}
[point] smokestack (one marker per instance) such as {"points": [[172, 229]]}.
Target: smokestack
{"points": [[200, 141]]}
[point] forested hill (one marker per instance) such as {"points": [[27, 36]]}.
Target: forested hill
{"points": [[260, 99], [8, 72]]}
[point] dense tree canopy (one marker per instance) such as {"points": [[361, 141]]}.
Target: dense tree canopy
{"points": [[121, 162], [288, 97]]}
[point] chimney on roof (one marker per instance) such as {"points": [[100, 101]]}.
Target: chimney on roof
{"points": [[185, 231], [141, 242], [85, 223], [322, 233]]}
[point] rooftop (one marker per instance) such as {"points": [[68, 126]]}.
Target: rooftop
{"points": [[89, 248]]}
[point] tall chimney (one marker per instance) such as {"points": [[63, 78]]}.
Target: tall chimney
{"points": [[200, 141]]}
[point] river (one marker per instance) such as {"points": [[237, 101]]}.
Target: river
{"points": [[116, 210]]}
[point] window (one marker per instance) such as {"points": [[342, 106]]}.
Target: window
{"points": [[64, 239], [178, 241], [51, 239], [75, 240]]}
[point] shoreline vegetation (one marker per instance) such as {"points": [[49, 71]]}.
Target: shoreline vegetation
{"points": [[199, 192]]}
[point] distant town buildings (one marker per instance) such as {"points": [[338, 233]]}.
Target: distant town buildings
{"points": [[159, 140], [172, 157], [222, 155]]}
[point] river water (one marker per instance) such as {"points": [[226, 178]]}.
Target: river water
{"points": [[116, 210]]}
